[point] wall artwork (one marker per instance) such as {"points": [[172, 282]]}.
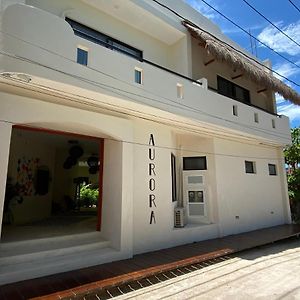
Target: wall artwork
{"points": [[26, 169]]}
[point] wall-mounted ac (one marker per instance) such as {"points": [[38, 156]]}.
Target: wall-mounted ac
{"points": [[179, 217]]}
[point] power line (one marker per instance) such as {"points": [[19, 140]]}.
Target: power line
{"points": [[294, 5], [275, 26], [173, 148], [258, 40], [107, 87], [126, 114], [133, 112], [183, 18], [230, 46]]}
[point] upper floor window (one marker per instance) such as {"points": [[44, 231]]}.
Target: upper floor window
{"points": [[104, 40], [82, 56], [232, 90], [138, 76]]}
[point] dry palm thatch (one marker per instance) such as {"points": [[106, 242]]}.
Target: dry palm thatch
{"points": [[237, 60]]}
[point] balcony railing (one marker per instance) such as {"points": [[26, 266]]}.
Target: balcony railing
{"points": [[161, 88]]}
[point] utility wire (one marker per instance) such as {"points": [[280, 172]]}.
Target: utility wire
{"points": [[172, 148], [230, 46], [275, 26], [254, 37], [119, 92], [239, 51], [126, 114], [294, 5], [183, 18]]}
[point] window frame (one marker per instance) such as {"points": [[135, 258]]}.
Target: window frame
{"points": [[235, 111], [231, 90], [103, 39], [184, 162], [83, 50], [253, 167], [140, 77], [173, 177], [274, 173]]}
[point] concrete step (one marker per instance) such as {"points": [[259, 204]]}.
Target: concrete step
{"points": [[46, 244], [34, 258], [67, 249], [57, 264]]}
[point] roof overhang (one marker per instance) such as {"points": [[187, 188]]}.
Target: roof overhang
{"points": [[254, 70], [140, 18]]}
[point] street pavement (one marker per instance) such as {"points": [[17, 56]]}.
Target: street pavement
{"points": [[268, 272]]}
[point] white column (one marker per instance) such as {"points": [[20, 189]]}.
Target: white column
{"points": [[127, 199], [5, 135], [284, 187]]}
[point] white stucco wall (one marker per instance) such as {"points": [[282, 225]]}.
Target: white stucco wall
{"points": [[248, 201], [104, 75], [153, 49], [200, 56], [144, 232], [5, 135], [126, 209], [236, 202], [102, 100], [34, 207], [117, 203]]}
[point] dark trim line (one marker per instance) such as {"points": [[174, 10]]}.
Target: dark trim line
{"points": [[141, 59], [212, 89], [103, 39], [170, 71], [197, 82]]}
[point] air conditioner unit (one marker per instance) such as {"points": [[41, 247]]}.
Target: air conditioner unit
{"points": [[179, 217]]}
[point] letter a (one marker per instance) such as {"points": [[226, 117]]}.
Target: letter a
{"points": [[152, 218], [151, 140]]}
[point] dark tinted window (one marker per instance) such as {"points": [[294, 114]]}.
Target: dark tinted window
{"points": [[104, 40], [194, 163], [173, 170], [82, 56], [231, 90], [249, 167], [272, 169], [138, 76]]}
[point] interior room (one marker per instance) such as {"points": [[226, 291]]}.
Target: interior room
{"points": [[52, 185]]}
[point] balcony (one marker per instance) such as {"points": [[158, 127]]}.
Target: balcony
{"points": [[45, 47]]}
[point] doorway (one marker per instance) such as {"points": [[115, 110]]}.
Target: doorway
{"points": [[54, 184]]}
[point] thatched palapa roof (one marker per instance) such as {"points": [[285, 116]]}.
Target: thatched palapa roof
{"points": [[255, 71]]}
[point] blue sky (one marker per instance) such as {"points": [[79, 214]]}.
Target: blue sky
{"points": [[281, 13]]}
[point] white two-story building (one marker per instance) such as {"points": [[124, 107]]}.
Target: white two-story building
{"points": [[173, 123]]}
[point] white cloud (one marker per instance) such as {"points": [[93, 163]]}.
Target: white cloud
{"points": [[280, 43], [290, 110], [286, 70], [235, 29], [203, 8], [279, 99]]}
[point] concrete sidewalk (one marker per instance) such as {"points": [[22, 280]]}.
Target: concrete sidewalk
{"points": [[268, 272], [81, 282]]}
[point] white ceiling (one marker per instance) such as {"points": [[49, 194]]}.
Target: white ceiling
{"points": [[56, 140], [139, 18]]}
